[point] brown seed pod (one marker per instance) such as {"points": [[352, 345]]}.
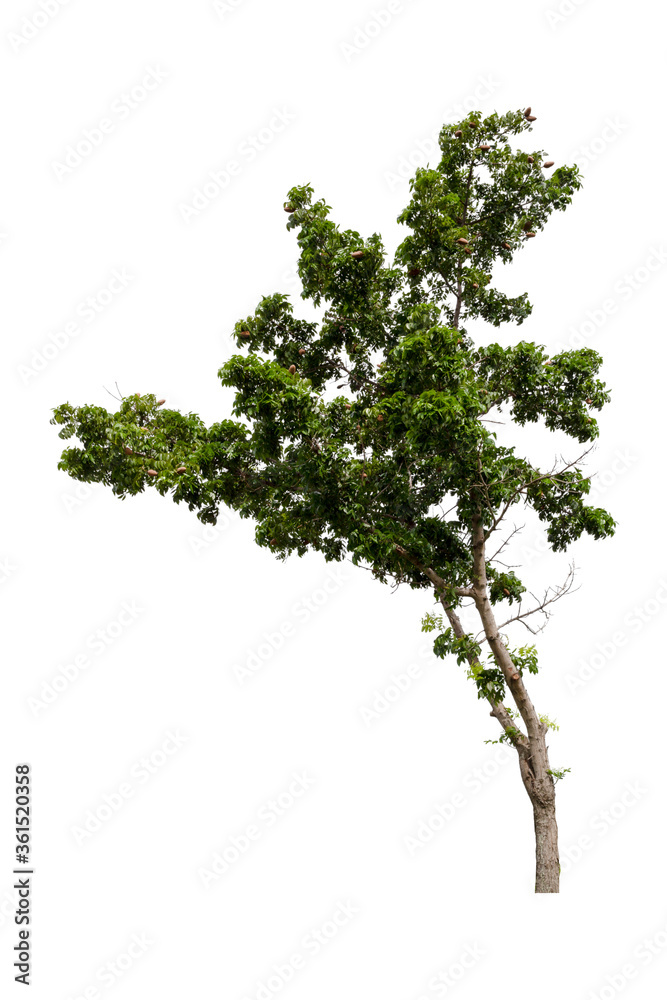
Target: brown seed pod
{"points": [[475, 285], [358, 427], [292, 369], [289, 208], [160, 402], [244, 333], [128, 451], [463, 241], [484, 148], [530, 159], [364, 476], [589, 401], [347, 406], [467, 250], [531, 118], [181, 468], [506, 591], [272, 542], [548, 163], [458, 133], [508, 246], [380, 417], [527, 112], [529, 235], [414, 272], [357, 254], [302, 350], [548, 362], [151, 472]]}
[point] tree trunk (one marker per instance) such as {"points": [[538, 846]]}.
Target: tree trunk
{"points": [[547, 865]]}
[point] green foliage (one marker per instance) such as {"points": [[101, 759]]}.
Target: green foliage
{"points": [[508, 736], [489, 680], [559, 774], [366, 473], [525, 658], [430, 622], [546, 721], [503, 586]]}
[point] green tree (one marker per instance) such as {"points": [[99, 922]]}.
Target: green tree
{"points": [[368, 473]]}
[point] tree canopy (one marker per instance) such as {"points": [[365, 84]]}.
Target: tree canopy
{"points": [[367, 472]]}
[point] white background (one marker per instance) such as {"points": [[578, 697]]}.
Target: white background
{"points": [[360, 101]]}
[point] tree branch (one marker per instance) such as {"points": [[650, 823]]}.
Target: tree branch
{"points": [[431, 574], [522, 487], [498, 709], [558, 592]]}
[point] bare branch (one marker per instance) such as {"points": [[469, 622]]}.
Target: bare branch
{"points": [[511, 535], [118, 397], [557, 593]]}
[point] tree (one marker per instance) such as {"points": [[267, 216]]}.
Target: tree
{"points": [[368, 473]]}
